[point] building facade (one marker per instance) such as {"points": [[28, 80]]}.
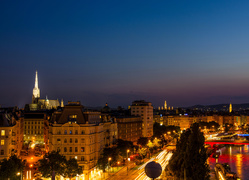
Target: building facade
{"points": [[80, 135], [144, 110], [11, 134], [34, 128], [129, 128]]}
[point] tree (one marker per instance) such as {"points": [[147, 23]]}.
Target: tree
{"points": [[142, 141], [190, 158], [160, 130], [52, 162], [142, 152], [107, 153], [72, 168], [10, 167], [123, 146]]}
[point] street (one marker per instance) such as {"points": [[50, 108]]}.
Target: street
{"points": [[139, 173]]}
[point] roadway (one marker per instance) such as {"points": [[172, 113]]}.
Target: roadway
{"points": [[31, 159], [139, 173]]}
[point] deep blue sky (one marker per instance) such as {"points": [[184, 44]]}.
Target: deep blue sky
{"points": [[185, 52]]}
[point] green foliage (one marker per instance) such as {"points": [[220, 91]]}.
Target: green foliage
{"points": [[72, 168], [142, 141], [52, 161], [10, 167], [160, 130], [123, 146], [190, 157], [117, 153], [107, 153], [142, 152]]}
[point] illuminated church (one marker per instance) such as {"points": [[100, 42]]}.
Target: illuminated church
{"points": [[41, 104]]}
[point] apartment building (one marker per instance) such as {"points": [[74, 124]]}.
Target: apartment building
{"points": [[129, 128], [80, 135], [144, 110]]}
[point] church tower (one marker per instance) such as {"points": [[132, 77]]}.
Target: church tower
{"points": [[62, 103], [36, 90], [165, 105], [230, 108]]}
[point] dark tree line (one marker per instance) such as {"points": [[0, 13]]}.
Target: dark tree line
{"points": [[116, 153], [189, 161], [55, 163], [11, 167]]}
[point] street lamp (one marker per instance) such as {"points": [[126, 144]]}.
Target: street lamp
{"points": [[109, 159], [127, 160], [118, 165], [19, 174]]}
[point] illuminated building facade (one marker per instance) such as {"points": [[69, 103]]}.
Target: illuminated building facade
{"points": [[129, 128], [80, 135], [11, 134], [34, 129], [145, 111]]}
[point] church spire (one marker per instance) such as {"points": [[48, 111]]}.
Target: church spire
{"points": [[36, 79], [230, 107], [62, 103], [36, 90]]}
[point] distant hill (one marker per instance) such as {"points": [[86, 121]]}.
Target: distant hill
{"points": [[220, 107]]}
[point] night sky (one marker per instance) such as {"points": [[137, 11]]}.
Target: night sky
{"points": [[185, 52]]}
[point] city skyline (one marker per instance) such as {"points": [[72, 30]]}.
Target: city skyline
{"points": [[186, 53]]}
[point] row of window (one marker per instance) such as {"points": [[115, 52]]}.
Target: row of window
{"points": [[33, 122], [33, 127], [75, 140], [75, 132], [76, 157], [71, 132], [82, 149], [32, 132]]}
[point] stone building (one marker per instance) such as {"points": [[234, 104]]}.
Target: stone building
{"points": [[11, 133], [34, 129], [129, 128], [144, 110], [80, 135]]}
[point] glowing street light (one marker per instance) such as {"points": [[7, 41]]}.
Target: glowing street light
{"points": [[127, 161], [19, 174], [109, 159]]}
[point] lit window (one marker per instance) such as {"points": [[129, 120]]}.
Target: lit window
{"points": [[73, 116], [82, 149], [2, 142], [2, 132]]}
